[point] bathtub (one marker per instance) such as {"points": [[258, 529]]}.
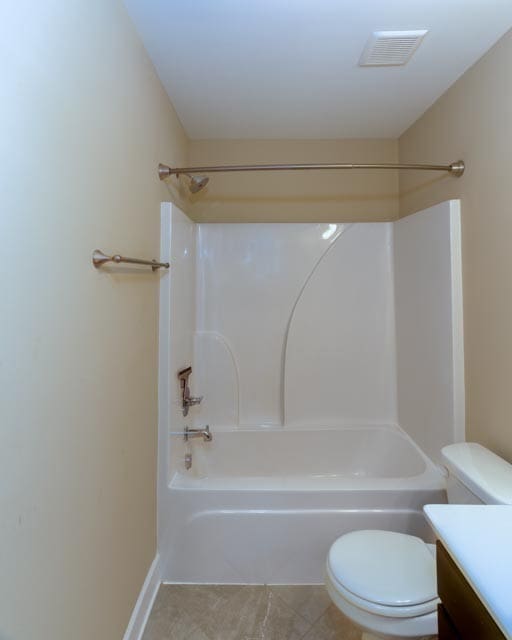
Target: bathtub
{"points": [[263, 506]]}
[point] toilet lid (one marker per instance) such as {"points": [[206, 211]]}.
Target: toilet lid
{"points": [[387, 568]]}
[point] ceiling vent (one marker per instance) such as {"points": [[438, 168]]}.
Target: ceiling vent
{"points": [[391, 48]]}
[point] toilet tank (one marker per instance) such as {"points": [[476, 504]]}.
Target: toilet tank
{"points": [[476, 475]]}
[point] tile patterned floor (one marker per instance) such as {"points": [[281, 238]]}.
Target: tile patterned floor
{"points": [[222, 612]]}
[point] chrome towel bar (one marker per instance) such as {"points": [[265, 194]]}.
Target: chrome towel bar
{"points": [[99, 259]]}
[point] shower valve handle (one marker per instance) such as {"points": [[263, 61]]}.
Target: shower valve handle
{"points": [[187, 400]]}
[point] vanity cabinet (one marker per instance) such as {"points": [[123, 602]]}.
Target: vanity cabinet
{"points": [[461, 614]]}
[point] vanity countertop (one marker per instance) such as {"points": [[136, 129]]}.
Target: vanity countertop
{"points": [[479, 539]]}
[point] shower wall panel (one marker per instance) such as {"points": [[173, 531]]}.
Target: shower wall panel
{"points": [[295, 322], [340, 349], [430, 349]]}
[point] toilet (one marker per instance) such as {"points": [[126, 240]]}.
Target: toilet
{"points": [[385, 582]]}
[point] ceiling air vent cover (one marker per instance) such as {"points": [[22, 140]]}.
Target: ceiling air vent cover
{"points": [[391, 48]]}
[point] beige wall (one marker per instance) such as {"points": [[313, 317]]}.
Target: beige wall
{"points": [[323, 196], [472, 121], [84, 124]]}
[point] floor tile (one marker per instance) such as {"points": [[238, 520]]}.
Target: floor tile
{"points": [[171, 625], [310, 601], [276, 620], [253, 613], [197, 634], [223, 612], [333, 625]]}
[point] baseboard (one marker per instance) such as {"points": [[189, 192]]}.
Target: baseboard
{"points": [[144, 602]]}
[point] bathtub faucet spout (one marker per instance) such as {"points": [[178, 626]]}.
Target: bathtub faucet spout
{"points": [[205, 433]]}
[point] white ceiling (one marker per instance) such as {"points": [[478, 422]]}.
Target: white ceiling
{"points": [[289, 68]]}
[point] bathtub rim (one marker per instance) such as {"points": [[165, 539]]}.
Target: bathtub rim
{"points": [[432, 478]]}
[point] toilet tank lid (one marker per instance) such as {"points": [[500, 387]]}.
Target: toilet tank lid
{"points": [[484, 473]]}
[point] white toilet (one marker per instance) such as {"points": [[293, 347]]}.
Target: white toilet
{"points": [[385, 582]]}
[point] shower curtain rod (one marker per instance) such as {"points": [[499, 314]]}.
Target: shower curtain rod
{"points": [[164, 171]]}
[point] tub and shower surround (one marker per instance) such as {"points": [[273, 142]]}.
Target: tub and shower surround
{"points": [[312, 345]]}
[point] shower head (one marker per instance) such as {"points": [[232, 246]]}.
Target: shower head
{"points": [[197, 183]]}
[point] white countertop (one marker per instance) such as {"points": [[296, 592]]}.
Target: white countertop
{"points": [[479, 539]]}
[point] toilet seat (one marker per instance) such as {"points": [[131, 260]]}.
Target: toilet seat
{"points": [[379, 609], [384, 573]]}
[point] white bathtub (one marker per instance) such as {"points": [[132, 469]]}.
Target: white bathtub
{"points": [[263, 506], [306, 459]]}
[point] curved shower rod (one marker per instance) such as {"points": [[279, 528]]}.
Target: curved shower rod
{"points": [[197, 182]]}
